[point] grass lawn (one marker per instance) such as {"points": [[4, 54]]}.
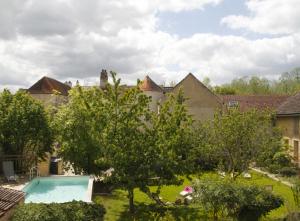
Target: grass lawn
{"points": [[117, 204]]}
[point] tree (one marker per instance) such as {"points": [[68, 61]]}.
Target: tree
{"points": [[243, 202], [116, 129], [79, 127], [24, 126], [240, 137], [224, 90], [144, 147]]}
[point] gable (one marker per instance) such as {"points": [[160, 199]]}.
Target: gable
{"points": [[201, 102], [48, 85]]}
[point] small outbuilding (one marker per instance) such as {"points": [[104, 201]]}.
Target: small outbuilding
{"points": [[9, 199]]}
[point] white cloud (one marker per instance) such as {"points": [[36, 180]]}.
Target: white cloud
{"points": [[68, 39], [224, 57], [268, 17]]}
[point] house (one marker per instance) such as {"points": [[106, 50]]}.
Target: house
{"points": [[9, 199], [201, 102], [287, 118], [50, 91]]}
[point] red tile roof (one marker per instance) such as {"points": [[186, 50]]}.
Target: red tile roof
{"points": [[48, 85], [9, 198], [290, 107], [149, 85], [259, 102]]}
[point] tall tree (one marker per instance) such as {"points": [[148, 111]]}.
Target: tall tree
{"points": [[24, 125], [79, 128], [116, 129], [239, 138], [145, 147]]}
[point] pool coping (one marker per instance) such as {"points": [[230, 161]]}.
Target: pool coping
{"points": [[90, 189]]}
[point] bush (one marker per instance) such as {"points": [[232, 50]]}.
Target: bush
{"points": [[288, 171], [234, 199], [75, 211]]}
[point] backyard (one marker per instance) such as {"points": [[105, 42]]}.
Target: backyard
{"points": [[117, 204]]}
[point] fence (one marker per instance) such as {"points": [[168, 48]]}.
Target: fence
{"points": [[22, 163]]}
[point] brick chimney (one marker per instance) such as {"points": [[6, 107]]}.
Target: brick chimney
{"points": [[103, 78]]}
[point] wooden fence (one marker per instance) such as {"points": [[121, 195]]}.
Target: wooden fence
{"points": [[22, 163]]}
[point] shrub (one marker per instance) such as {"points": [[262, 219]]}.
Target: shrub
{"points": [[234, 199], [75, 211], [288, 171]]}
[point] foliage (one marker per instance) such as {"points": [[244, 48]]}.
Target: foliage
{"points": [[240, 137], [246, 202], [145, 147], [79, 128], [275, 156], [288, 171], [76, 211], [296, 192], [288, 83], [204, 155], [24, 125], [116, 129], [224, 90]]}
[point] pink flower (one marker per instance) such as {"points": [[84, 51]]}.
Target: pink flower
{"points": [[188, 189]]}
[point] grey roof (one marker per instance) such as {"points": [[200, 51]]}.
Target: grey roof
{"points": [[290, 107]]}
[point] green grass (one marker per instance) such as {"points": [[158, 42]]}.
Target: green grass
{"points": [[117, 204]]}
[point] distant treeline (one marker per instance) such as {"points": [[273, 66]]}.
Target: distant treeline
{"points": [[288, 83]]}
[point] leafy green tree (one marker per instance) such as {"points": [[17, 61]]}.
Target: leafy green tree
{"points": [[79, 127], [24, 126], [145, 147], [116, 129], [233, 199], [240, 137], [224, 90]]}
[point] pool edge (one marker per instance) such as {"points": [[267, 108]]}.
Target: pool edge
{"points": [[90, 189]]}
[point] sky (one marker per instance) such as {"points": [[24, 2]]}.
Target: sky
{"points": [[74, 39]]}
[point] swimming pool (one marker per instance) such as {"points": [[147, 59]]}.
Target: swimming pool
{"points": [[59, 189]]}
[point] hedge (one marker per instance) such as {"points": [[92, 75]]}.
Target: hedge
{"points": [[75, 211]]}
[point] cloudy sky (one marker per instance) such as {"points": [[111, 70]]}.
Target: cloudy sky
{"points": [[75, 39]]}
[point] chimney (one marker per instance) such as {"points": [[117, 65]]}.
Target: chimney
{"points": [[103, 78], [69, 83]]}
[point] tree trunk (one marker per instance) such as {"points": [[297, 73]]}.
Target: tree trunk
{"points": [[131, 197]]}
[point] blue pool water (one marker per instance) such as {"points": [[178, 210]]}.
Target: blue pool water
{"points": [[57, 189]]}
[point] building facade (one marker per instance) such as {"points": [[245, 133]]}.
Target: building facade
{"points": [[288, 119]]}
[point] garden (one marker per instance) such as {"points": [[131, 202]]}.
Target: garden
{"points": [[152, 156]]}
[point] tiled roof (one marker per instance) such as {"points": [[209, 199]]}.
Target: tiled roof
{"points": [[168, 89], [291, 106], [149, 85], [259, 102], [9, 198], [48, 85]]}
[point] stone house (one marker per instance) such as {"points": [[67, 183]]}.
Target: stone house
{"points": [[50, 91], [201, 103], [287, 118]]}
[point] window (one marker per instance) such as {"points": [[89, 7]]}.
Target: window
{"points": [[233, 103], [296, 150], [286, 142], [296, 125]]}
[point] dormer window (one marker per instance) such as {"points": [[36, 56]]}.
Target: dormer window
{"points": [[233, 103]]}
